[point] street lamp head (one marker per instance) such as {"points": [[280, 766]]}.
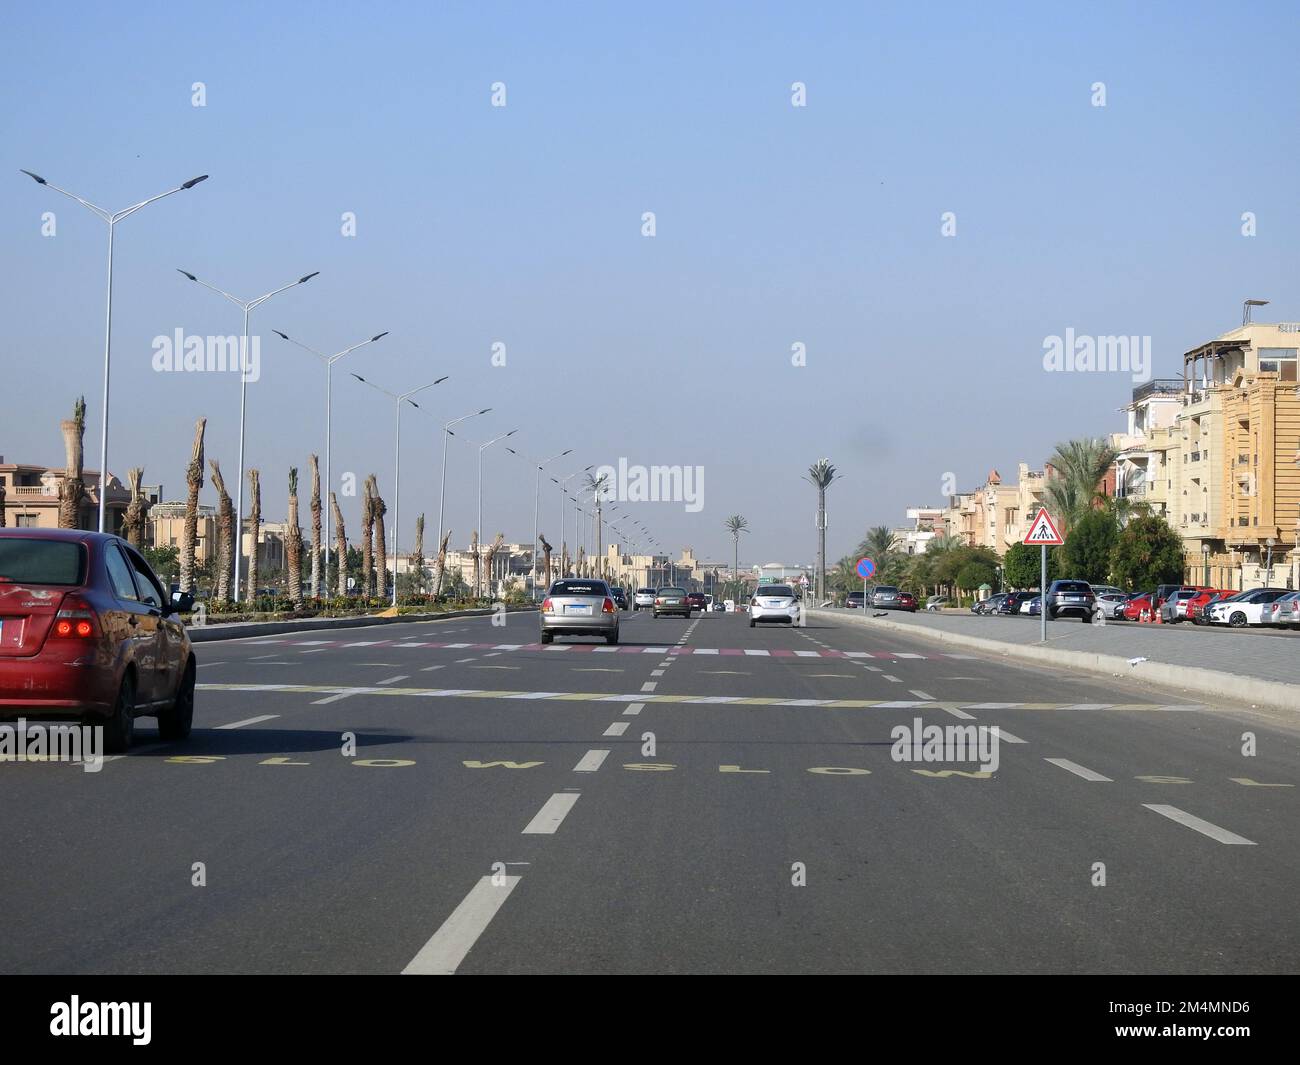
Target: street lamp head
{"points": [[485, 410], [35, 177], [360, 378], [511, 433], [304, 280], [194, 181], [282, 336], [441, 379], [381, 335], [186, 273]]}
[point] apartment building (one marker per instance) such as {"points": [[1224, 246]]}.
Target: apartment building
{"points": [[31, 497], [1142, 472]]}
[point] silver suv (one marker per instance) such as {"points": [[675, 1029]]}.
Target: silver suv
{"points": [[577, 607]]}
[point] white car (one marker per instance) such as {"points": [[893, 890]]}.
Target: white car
{"points": [[1244, 608], [774, 602], [644, 597]]}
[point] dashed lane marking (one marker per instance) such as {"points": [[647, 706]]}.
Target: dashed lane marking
{"points": [[1205, 828], [1079, 770], [456, 936], [552, 814], [616, 729], [591, 761], [249, 721]]}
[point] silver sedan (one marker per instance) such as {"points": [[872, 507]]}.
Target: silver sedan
{"points": [[578, 607]]}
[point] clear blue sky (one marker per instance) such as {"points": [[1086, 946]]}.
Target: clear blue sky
{"points": [[522, 225]]}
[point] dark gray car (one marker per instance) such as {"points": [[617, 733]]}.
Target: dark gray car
{"points": [[576, 607]]}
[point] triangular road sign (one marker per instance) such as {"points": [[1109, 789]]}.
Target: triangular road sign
{"points": [[1043, 531]]}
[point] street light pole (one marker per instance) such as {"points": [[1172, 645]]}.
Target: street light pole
{"points": [[329, 361], [112, 218], [247, 306], [537, 497], [481, 449], [447, 434], [398, 399]]}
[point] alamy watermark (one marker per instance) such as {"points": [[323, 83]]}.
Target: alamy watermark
{"points": [[1098, 354], [55, 742], [179, 353], [919, 742], [629, 483]]}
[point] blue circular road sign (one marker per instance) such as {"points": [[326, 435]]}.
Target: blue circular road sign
{"points": [[866, 568]]}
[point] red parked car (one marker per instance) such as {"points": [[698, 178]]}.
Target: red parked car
{"points": [[906, 601], [88, 633], [1196, 604], [1133, 609]]}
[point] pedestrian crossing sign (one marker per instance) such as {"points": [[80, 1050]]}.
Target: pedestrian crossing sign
{"points": [[1043, 531]]}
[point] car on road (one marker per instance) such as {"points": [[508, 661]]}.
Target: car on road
{"points": [[1070, 598], [87, 633], [1014, 601], [1244, 608], [885, 597], [989, 605], [719, 606], [579, 607], [773, 602], [855, 600], [673, 601], [697, 601], [643, 598], [620, 597]]}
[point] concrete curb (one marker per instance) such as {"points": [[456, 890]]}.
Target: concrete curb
{"points": [[241, 630], [1207, 682]]}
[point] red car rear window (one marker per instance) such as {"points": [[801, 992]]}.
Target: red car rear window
{"points": [[28, 560]]}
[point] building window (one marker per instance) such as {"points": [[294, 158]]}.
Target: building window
{"points": [[26, 521]]}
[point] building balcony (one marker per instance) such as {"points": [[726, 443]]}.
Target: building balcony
{"points": [[1159, 386]]}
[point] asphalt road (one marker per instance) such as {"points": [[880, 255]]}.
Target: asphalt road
{"points": [[703, 798]]}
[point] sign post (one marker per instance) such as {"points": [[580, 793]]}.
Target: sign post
{"points": [[866, 567], [1043, 533]]}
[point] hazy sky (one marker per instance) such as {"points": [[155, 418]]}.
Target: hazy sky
{"points": [[775, 225]]}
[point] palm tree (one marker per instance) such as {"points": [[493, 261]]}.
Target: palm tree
{"points": [[473, 550], [381, 541], [367, 537], [879, 543], [1081, 465], [417, 557], [317, 588], [225, 530], [546, 557], [340, 546], [293, 542], [736, 525], [134, 524], [442, 563], [255, 531], [73, 489], [488, 558], [189, 534], [820, 475]]}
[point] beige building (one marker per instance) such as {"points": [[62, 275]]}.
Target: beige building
{"points": [[1235, 460], [31, 497], [167, 525]]}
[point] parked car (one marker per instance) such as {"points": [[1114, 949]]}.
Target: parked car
{"points": [[1033, 607], [1108, 589], [620, 597], [1137, 604], [1197, 603], [1283, 611], [671, 601], [1014, 601], [855, 600], [884, 597], [937, 602], [87, 633], [578, 607], [697, 601], [989, 605], [643, 597], [1111, 604], [1070, 598], [1244, 608], [773, 602], [907, 601]]}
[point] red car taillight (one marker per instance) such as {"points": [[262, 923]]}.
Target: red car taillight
{"points": [[657, 600], [546, 606], [76, 621], [609, 606]]}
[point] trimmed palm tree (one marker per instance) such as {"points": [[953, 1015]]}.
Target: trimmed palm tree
{"points": [[73, 489], [546, 558], [488, 558], [134, 523], [1081, 466], [820, 475], [442, 563], [367, 537], [736, 525], [473, 550], [340, 546], [381, 540], [317, 587], [417, 557], [293, 541], [255, 532], [190, 531], [225, 531]]}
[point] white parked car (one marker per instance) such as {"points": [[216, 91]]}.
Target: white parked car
{"points": [[644, 597], [1244, 608], [773, 602]]}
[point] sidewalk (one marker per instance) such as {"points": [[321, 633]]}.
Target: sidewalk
{"points": [[1237, 665], [242, 630]]}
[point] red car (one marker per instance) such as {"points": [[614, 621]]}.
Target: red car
{"points": [[1134, 607], [697, 600], [88, 633], [1197, 605], [906, 601]]}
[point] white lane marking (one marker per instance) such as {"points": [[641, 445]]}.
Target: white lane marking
{"points": [[539, 695], [706, 651], [656, 673], [258, 658], [753, 651], [616, 729], [1005, 736], [1078, 770], [460, 660], [649, 686], [492, 654], [1087, 706], [314, 651], [591, 761], [958, 713], [209, 665], [364, 643], [873, 669], [921, 695], [904, 654], [891, 677], [552, 814], [1193, 822], [430, 669], [336, 698], [808, 654], [249, 721], [393, 680], [456, 936], [635, 708]]}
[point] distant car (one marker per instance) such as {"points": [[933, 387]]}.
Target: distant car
{"points": [[719, 606], [773, 602], [936, 602], [620, 597], [1014, 601], [643, 597], [578, 607], [989, 605], [671, 601], [1245, 608], [1032, 607], [1284, 612], [907, 601], [885, 597], [1111, 605], [854, 600], [1108, 589], [697, 601], [87, 633], [1069, 598]]}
